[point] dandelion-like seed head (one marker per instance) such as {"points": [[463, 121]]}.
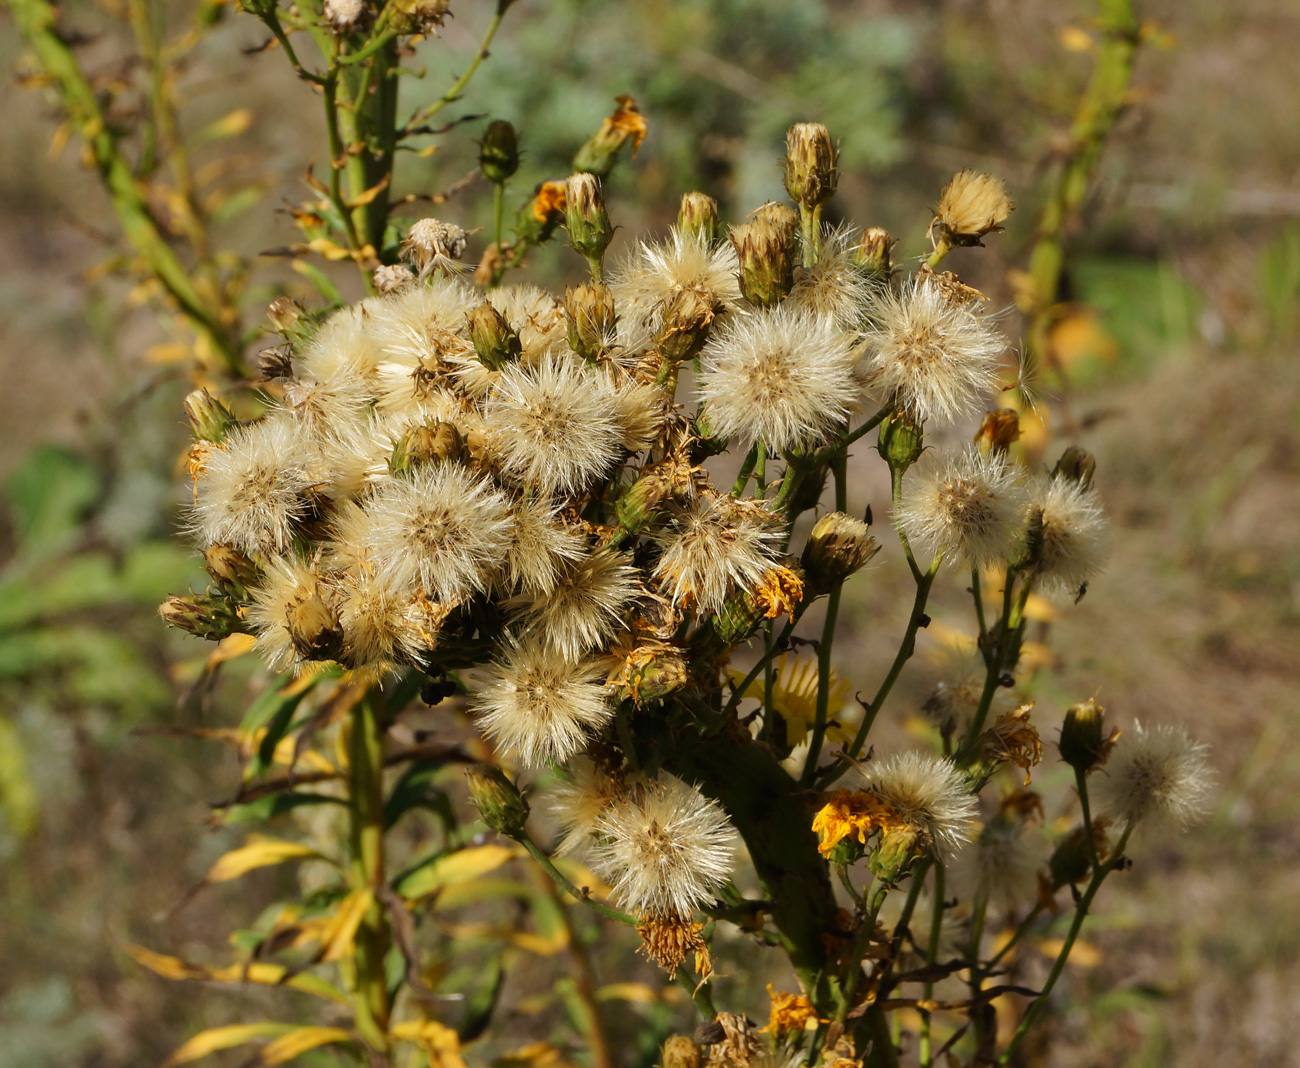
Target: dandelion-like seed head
{"points": [[252, 489], [1155, 773], [648, 281], [928, 793], [433, 245], [938, 358], [344, 349], [715, 548], [586, 788], [952, 704], [294, 614], [1005, 862], [968, 506], [442, 528], [555, 424], [541, 705], [972, 205], [834, 287], [386, 621], [1072, 543], [587, 605], [665, 850], [780, 376], [541, 549]]}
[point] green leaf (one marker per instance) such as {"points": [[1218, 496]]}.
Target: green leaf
{"points": [[415, 789], [17, 797], [49, 495], [272, 805]]}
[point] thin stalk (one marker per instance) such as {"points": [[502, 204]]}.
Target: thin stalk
{"points": [[1009, 632], [498, 212], [896, 497], [746, 471], [458, 87], [563, 882], [823, 685], [1016, 935], [931, 952], [979, 912], [737, 692], [760, 468], [810, 222], [1058, 966], [941, 248]]}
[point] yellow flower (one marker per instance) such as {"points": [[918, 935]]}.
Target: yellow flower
{"points": [[780, 591], [794, 698], [791, 1013], [850, 813]]}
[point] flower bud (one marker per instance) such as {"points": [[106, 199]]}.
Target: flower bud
{"points": [[584, 210], [998, 430], [229, 567], [425, 444], [680, 1052], [392, 278], [499, 801], [891, 859], [698, 216], [600, 153], [872, 253], [292, 321], [686, 323], [838, 545], [204, 616], [1076, 464], [1072, 859], [810, 171], [1083, 745], [419, 16], [765, 247], [650, 673], [590, 312], [210, 420], [494, 341], [970, 206], [901, 442], [644, 502], [498, 152]]}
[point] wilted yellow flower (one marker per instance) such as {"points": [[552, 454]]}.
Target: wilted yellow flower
{"points": [[850, 813], [1014, 739], [791, 1013]]}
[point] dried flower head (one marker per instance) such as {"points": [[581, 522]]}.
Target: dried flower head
{"points": [[967, 506], [555, 424], [252, 489], [972, 205], [541, 549], [432, 245], [386, 621], [294, 614], [1067, 533], [780, 377], [716, 547], [540, 704], [1160, 772], [928, 793], [834, 287], [1006, 860], [345, 16], [441, 527], [939, 359], [585, 789], [647, 282], [586, 607], [666, 850]]}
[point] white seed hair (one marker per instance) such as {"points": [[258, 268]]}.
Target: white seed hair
{"points": [[927, 792], [1073, 547], [1160, 773], [715, 548]]}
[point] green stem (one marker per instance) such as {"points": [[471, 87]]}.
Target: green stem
{"points": [[823, 686], [941, 249], [458, 87], [746, 471], [563, 882], [498, 212], [738, 691], [931, 952]]}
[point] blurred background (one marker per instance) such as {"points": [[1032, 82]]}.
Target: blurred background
{"points": [[1181, 375]]}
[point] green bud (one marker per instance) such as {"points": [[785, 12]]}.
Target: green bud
{"points": [[1077, 465], [1071, 860], [425, 444], [686, 323], [698, 216], [204, 616], [765, 247], [892, 858], [494, 341], [498, 153], [872, 253], [1083, 745], [901, 442], [810, 164], [847, 851], [210, 420], [292, 321], [838, 545], [651, 672], [584, 210], [644, 502], [229, 567], [738, 617], [590, 312], [499, 801]]}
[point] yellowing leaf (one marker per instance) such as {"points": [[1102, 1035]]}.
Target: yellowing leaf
{"points": [[370, 194], [1084, 954], [323, 246], [168, 353], [218, 1038], [264, 973], [439, 1041], [258, 853], [337, 938], [161, 964], [455, 868], [639, 993], [230, 648], [231, 125], [300, 1040]]}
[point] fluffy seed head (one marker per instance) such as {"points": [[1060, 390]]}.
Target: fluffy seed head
{"points": [[442, 528], [780, 376], [1068, 533], [972, 205], [665, 850], [251, 490], [294, 615], [1006, 860], [928, 793], [555, 424], [582, 794], [1155, 773], [385, 621], [834, 287], [938, 358], [541, 549], [541, 705], [586, 607], [718, 546], [657, 272], [967, 506], [434, 245]]}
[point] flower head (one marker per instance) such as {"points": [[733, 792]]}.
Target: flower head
{"points": [[937, 357], [968, 506], [718, 546], [665, 850], [294, 615], [541, 705], [586, 606], [972, 205], [541, 549], [929, 794], [1159, 772], [782, 377], [834, 287], [1067, 522], [585, 790], [658, 271]]}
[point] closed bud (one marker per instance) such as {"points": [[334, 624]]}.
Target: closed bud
{"points": [[686, 323], [738, 617], [698, 216], [602, 148], [292, 321], [204, 616], [970, 206], [498, 153], [584, 211], [998, 431], [590, 312], [498, 800], [229, 567], [1084, 744], [765, 247], [1077, 465], [892, 858], [390, 278], [210, 420], [872, 253], [313, 625], [901, 442], [680, 1052], [650, 673], [1071, 861], [494, 341], [810, 158], [643, 503], [838, 545], [425, 444]]}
